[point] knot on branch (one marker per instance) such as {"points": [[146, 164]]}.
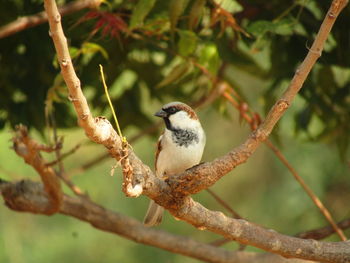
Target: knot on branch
{"points": [[282, 105], [178, 206], [259, 135], [336, 7], [130, 187], [19, 197], [103, 131]]}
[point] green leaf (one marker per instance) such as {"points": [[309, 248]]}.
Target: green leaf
{"points": [[176, 8], [209, 57], [196, 13], [303, 118], [124, 82], [260, 27], [93, 48], [175, 74], [313, 7], [140, 11], [341, 75], [330, 43], [231, 6], [89, 50], [159, 23], [187, 43], [283, 27]]}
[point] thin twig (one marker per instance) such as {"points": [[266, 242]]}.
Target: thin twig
{"points": [[223, 203], [308, 190], [325, 212], [29, 150], [26, 22], [221, 242], [324, 232], [65, 155], [149, 130], [61, 173], [278, 153], [202, 176], [201, 103]]}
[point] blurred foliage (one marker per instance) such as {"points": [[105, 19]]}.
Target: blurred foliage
{"points": [[170, 39], [152, 52]]}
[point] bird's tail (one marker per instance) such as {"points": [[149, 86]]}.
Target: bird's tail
{"points": [[154, 214]]}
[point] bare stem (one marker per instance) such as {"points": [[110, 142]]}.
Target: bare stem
{"points": [[25, 22], [29, 196], [173, 194]]}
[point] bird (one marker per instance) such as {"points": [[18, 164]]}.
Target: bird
{"points": [[179, 148]]}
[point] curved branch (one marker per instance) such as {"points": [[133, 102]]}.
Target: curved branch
{"points": [[173, 193], [318, 203], [29, 150], [203, 176], [26, 22], [266, 239], [28, 196]]}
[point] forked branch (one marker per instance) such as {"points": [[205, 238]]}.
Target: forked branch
{"points": [[173, 194], [30, 197], [29, 150]]}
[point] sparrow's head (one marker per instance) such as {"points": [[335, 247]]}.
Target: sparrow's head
{"points": [[178, 115]]}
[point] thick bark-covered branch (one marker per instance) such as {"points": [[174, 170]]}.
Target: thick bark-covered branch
{"points": [[173, 194], [203, 176], [267, 239], [28, 196]]}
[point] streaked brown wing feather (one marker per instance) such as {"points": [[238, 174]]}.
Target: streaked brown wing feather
{"points": [[158, 149]]}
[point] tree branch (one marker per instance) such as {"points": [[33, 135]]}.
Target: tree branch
{"points": [[325, 212], [173, 193], [29, 150], [28, 196], [268, 240], [318, 203], [324, 232], [203, 176], [26, 22]]}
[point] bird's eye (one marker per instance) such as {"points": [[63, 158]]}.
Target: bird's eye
{"points": [[171, 110]]}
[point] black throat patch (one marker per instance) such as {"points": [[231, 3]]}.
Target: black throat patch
{"points": [[184, 137], [180, 136]]}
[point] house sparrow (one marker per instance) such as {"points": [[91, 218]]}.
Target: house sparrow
{"points": [[179, 148]]}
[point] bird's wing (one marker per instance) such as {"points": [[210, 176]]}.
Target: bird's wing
{"points": [[158, 149]]}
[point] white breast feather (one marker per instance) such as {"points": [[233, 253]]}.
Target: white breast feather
{"points": [[175, 159]]}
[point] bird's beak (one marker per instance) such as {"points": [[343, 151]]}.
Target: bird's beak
{"points": [[161, 114]]}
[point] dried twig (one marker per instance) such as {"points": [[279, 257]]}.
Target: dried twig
{"points": [[26, 22], [173, 194], [29, 150], [201, 103], [203, 176], [325, 212], [224, 204], [64, 155], [308, 190], [324, 232], [61, 173]]}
